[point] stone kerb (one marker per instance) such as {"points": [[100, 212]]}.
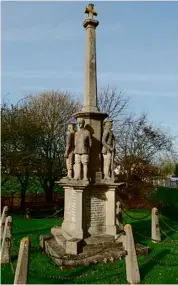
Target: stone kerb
{"points": [[21, 273], [132, 269], [6, 242]]}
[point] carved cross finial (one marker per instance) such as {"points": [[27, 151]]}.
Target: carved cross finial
{"points": [[90, 11]]}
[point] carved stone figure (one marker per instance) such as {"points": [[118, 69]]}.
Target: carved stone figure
{"points": [[108, 149], [83, 143], [69, 153]]}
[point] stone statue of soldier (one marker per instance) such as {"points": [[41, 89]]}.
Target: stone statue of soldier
{"points": [[69, 153], [83, 143], [108, 149]]}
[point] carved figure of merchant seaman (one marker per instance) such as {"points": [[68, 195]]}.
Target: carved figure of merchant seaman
{"points": [[83, 143], [69, 153], [108, 149]]}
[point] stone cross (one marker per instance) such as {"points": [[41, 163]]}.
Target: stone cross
{"points": [[6, 242], [90, 82], [90, 11], [21, 273]]}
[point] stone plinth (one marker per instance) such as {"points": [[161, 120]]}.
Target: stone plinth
{"points": [[89, 216], [89, 209]]}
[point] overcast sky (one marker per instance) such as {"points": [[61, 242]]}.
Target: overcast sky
{"points": [[43, 48]]}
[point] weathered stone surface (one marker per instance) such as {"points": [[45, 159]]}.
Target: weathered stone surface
{"points": [[91, 253], [74, 246], [3, 219], [119, 222], [155, 230], [132, 269], [108, 150], [69, 153], [6, 242], [21, 273]]}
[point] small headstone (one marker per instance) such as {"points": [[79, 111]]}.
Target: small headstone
{"points": [[155, 230], [21, 273], [6, 242], [132, 269], [3, 218]]}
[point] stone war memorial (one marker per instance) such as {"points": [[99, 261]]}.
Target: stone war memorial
{"points": [[90, 204]]}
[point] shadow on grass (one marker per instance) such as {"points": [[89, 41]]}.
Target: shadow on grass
{"points": [[32, 231], [148, 266]]}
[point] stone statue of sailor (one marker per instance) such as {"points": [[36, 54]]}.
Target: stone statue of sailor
{"points": [[108, 149], [83, 143]]}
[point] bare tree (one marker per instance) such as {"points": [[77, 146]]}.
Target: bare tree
{"points": [[19, 139], [139, 146], [113, 103], [52, 110]]}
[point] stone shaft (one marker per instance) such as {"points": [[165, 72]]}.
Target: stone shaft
{"points": [[90, 85], [6, 242], [3, 219], [155, 230], [21, 274], [132, 269]]}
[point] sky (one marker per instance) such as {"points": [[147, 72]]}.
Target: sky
{"points": [[43, 48]]}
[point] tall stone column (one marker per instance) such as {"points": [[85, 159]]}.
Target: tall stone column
{"points": [[90, 112], [90, 85]]}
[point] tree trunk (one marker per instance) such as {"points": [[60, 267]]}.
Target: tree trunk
{"points": [[22, 198], [48, 194]]}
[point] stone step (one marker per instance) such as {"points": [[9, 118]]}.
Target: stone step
{"points": [[61, 241]]}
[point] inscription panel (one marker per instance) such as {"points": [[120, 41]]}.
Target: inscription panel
{"points": [[95, 210]]}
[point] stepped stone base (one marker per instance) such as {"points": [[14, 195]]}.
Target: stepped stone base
{"points": [[94, 249]]}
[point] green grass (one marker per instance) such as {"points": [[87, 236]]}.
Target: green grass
{"points": [[44, 271]]}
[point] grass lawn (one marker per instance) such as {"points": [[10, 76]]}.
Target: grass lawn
{"points": [[44, 271]]}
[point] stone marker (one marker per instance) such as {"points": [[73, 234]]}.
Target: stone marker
{"points": [[21, 273], [6, 242], [155, 230], [119, 216], [132, 269], [3, 218]]}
